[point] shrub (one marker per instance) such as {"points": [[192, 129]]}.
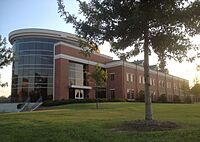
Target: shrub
{"points": [[162, 98], [74, 101], [176, 99], [4, 99], [187, 99], [140, 96]]}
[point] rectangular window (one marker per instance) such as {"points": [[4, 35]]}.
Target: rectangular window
{"points": [[132, 77], [112, 93], [151, 82], [112, 76], [130, 94], [160, 83], [154, 83], [127, 77], [143, 80], [168, 84], [140, 79], [76, 74]]}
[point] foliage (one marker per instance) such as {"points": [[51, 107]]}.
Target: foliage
{"points": [[4, 99], [185, 89], [162, 27], [140, 96], [6, 56], [100, 76], [196, 90], [77, 101], [188, 99], [124, 23], [162, 98], [176, 99], [197, 77]]}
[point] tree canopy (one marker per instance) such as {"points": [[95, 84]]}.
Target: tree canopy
{"points": [[100, 76], [160, 26], [195, 90], [6, 55], [123, 23]]}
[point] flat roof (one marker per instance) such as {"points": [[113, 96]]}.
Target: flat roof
{"points": [[41, 32]]}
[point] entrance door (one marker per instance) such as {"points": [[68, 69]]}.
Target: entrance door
{"points": [[79, 94]]}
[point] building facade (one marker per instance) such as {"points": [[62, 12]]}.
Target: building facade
{"points": [[49, 64]]}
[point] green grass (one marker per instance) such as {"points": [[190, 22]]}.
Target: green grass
{"points": [[83, 123]]}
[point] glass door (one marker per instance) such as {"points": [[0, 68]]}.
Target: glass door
{"points": [[79, 94]]}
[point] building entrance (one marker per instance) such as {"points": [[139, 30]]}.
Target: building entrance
{"points": [[79, 94]]}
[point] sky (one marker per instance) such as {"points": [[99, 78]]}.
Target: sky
{"points": [[19, 14]]}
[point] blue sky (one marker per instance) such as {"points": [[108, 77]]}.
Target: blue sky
{"points": [[18, 14]]}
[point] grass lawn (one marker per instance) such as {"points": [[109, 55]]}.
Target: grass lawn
{"points": [[83, 123]]}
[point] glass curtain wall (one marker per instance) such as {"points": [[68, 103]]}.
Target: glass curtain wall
{"points": [[32, 74], [77, 77]]}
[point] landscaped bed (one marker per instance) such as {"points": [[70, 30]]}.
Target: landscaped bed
{"points": [[112, 122]]}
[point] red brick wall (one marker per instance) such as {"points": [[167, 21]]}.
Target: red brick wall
{"points": [[61, 90], [120, 83], [62, 49], [117, 83]]}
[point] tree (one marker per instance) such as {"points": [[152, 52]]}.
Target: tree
{"points": [[6, 56], [159, 26], [100, 77], [195, 90], [185, 89], [197, 76]]}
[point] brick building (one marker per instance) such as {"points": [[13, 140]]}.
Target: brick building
{"points": [[50, 64]]}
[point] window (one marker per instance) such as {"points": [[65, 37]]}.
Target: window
{"points": [[112, 76], [132, 77], [168, 84], [143, 80], [127, 77], [154, 83], [112, 93], [140, 79], [130, 94], [161, 83], [175, 86], [151, 81], [76, 74], [79, 94]]}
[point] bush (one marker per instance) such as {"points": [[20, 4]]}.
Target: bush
{"points": [[176, 99], [162, 98], [74, 101], [4, 99], [140, 96], [187, 99]]}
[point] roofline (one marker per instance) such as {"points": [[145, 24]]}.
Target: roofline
{"points": [[78, 48], [116, 63], [41, 32]]}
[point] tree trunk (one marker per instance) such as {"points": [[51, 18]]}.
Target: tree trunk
{"points": [[97, 105], [148, 107]]}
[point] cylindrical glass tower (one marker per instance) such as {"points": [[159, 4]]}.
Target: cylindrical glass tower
{"points": [[32, 74]]}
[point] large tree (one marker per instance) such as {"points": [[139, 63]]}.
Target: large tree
{"points": [[160, 26], [6, 56]]}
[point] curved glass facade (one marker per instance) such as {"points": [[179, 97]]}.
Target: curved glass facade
{"points": [[32, 74]]}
